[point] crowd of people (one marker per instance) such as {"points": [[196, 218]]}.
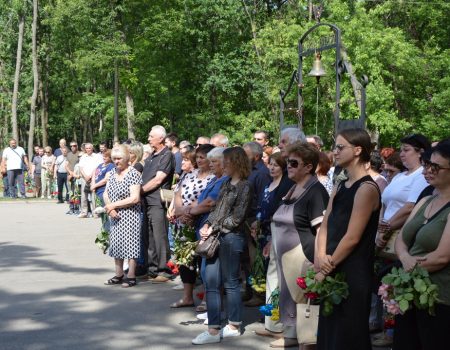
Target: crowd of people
{"points": [[294, 204]]}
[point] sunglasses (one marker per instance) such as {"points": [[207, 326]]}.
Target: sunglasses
{"points": [[433, 167], [339, 147], [73, 145], [293, 163]]}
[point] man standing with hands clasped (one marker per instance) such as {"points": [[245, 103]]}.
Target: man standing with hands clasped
{"points": [[158, 174]]}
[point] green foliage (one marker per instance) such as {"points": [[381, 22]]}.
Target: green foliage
{"points": [[203, 66], [411, 288], [331, 291]]}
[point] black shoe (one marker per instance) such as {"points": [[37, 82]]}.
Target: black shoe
{"points": [[141, 271], [60, 202]]}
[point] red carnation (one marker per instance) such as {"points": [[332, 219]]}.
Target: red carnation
{"points": [[301, 283], [311, 295]]}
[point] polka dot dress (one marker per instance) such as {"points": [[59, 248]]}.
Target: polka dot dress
{"points": [[125, 233], [192, 186]]}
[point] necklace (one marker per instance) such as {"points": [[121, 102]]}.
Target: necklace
{"points": [[430, 207]]}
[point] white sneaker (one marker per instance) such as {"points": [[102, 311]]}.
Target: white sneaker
{"points": [[227, 332], [202, 316], [206, 338]]}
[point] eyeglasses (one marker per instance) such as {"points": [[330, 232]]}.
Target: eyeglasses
{"points": [[433, 167], [73, 145], [293, 163], [340, 148]]}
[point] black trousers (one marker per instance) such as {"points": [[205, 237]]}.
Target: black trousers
{"points": [[156, 242], [418, 330], [61, 180]]}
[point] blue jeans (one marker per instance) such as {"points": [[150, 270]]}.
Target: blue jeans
{"points": [[16, 176], [224, 269]]}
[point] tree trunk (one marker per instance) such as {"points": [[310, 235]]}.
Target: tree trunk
{"points": [[17, 78], [43, 96], [130, 114], [4, 115], [35, 80], [116, 102]]}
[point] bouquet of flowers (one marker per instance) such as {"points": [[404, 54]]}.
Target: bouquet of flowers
{"points": [[74, 198], [331, 291], [272, 307], [29, 183], [102, 240], [184, 245], [400, 290], [257, 278]]}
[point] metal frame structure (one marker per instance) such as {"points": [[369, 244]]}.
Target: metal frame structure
{"points": [[341, 67]]}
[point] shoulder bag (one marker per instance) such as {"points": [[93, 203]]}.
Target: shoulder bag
{"points": [[209, 247]]}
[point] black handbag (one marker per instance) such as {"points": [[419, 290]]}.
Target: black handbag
{"points": [[209, 247]]}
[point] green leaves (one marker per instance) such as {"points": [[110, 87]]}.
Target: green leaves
{"points": [[409, 288]]}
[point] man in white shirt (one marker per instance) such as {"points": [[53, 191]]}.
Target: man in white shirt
{"points": [[61, 174], [88, 163], [16, 161]]}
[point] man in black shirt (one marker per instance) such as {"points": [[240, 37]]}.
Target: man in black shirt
{"points": [[158, 173]]}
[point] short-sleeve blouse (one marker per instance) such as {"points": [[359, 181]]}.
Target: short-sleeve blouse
{"points": [[191, 186]]}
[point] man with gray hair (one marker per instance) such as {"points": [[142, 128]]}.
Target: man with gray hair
{"points": [[88, 163], [219, 140], [288, 137], [315, 140], [158, 173]]}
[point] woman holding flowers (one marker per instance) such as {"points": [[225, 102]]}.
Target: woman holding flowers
{"points": [[296, 223], [346, 243], [425, 241], [224, 268], [195, 165]]}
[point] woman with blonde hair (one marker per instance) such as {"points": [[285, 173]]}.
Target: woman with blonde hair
{"points": [[122, 199], [48, 164]]}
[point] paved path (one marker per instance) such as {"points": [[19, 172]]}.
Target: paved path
{"points": [[52, 294]]}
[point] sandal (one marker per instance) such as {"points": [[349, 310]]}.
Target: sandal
{"points": [[180, 303], [129, 282], [201, 307], [114, 280]]}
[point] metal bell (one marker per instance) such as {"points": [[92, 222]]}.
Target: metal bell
{"points": [[317, 70]]}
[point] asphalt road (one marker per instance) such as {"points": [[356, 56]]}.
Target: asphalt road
{"points": [[52, 294]]}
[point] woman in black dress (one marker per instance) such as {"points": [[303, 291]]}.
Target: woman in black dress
{"points": [[346, 243]]}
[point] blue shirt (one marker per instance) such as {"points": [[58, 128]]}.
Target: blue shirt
{"points": [[259, 179], [100, 174], [211, 191]]}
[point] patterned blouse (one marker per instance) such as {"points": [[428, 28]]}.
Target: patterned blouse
{"points": [[231, 208], [191, 186]]}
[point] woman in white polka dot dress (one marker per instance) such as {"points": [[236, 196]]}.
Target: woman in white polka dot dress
{"points": [[122, 198]]}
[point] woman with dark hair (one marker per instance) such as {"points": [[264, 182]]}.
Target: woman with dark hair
{"points": [[223, 269], [425, 241], [374, 169], [186, 193], [345, 244], [322, 172], [401, 194], [296, 223], [393, 166]]}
